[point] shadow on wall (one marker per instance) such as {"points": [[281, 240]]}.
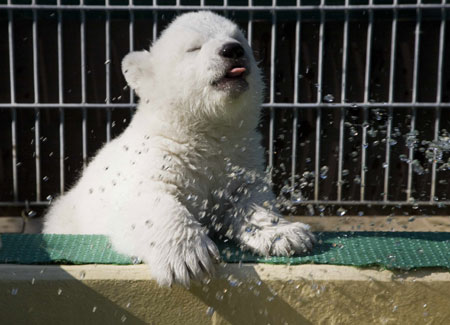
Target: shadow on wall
{"points": [[43, 294], [69, 301], [36, 297], [227, 294]]}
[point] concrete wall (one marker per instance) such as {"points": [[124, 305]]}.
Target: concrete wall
{"points": [[241, 294]]}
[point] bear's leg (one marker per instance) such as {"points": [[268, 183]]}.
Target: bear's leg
{"points": [[161, 231], [263, 230]]}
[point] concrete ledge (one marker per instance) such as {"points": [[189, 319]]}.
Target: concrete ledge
{"points": [[240, 294]]}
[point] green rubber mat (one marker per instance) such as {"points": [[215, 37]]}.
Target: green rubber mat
{"points": [[392, 250]]}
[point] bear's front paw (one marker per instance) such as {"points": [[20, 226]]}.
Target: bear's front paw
{"points": [[283, 239], [178, 260], [292, 238]]}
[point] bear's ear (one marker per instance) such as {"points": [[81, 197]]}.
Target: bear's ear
{"points": [[135, 67]]}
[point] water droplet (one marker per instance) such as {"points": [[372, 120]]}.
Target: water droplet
{"points": [[14, 291], [403, 158], [94, 309], [310, 208], [233, 281], [372, 132], [341, 211], [135, 260], [45, 178], [392, 142], [123, 318], [324, 172], [210, 311], [107, 61], [328, 98], [219, 296], [49, 197], [31, 213], [296, 197], [417, 167], [59, 291], [353, 132], [82, 274]]}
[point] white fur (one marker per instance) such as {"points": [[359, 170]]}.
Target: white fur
{"points": [[190, 163]]}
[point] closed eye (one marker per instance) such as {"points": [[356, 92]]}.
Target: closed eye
{"points": [[197, 48]]}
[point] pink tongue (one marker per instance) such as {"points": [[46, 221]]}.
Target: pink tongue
{"points": [[235, 72]]}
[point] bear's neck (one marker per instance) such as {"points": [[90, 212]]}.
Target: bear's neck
{"points": [[171, 121]]}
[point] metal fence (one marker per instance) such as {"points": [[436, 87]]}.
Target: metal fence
{"points": [[355, 117]]}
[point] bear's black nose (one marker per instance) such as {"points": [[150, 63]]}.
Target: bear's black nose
{"points": [[232, 50]]}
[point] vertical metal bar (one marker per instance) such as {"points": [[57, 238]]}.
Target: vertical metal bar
{"points": [[433, 168], [250, 24], [155, 23], [319, 100], [296, 78], [387, 158], [272, 89], [438, 99], [61, 101], [14, 153], [225, 4], [108, 72], [414, 100], [12, 89], [131, 48], [343, 100], [37, 111], [366, 101], [83, 83]]}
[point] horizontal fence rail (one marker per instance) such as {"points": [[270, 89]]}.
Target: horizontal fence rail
{"points": [[321, 7], [356, 112]]}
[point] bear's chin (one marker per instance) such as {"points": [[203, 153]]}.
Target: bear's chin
{"points": [[231, 86]]}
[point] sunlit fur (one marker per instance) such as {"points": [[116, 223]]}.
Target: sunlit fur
{"points": [[189, 164]]}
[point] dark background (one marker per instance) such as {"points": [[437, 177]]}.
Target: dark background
{"points": [[284, 92]]}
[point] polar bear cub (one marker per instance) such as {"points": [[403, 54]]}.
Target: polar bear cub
{"points": [[190, 164]]}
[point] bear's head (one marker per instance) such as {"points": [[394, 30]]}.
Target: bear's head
{"points": [[201, 66]]}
